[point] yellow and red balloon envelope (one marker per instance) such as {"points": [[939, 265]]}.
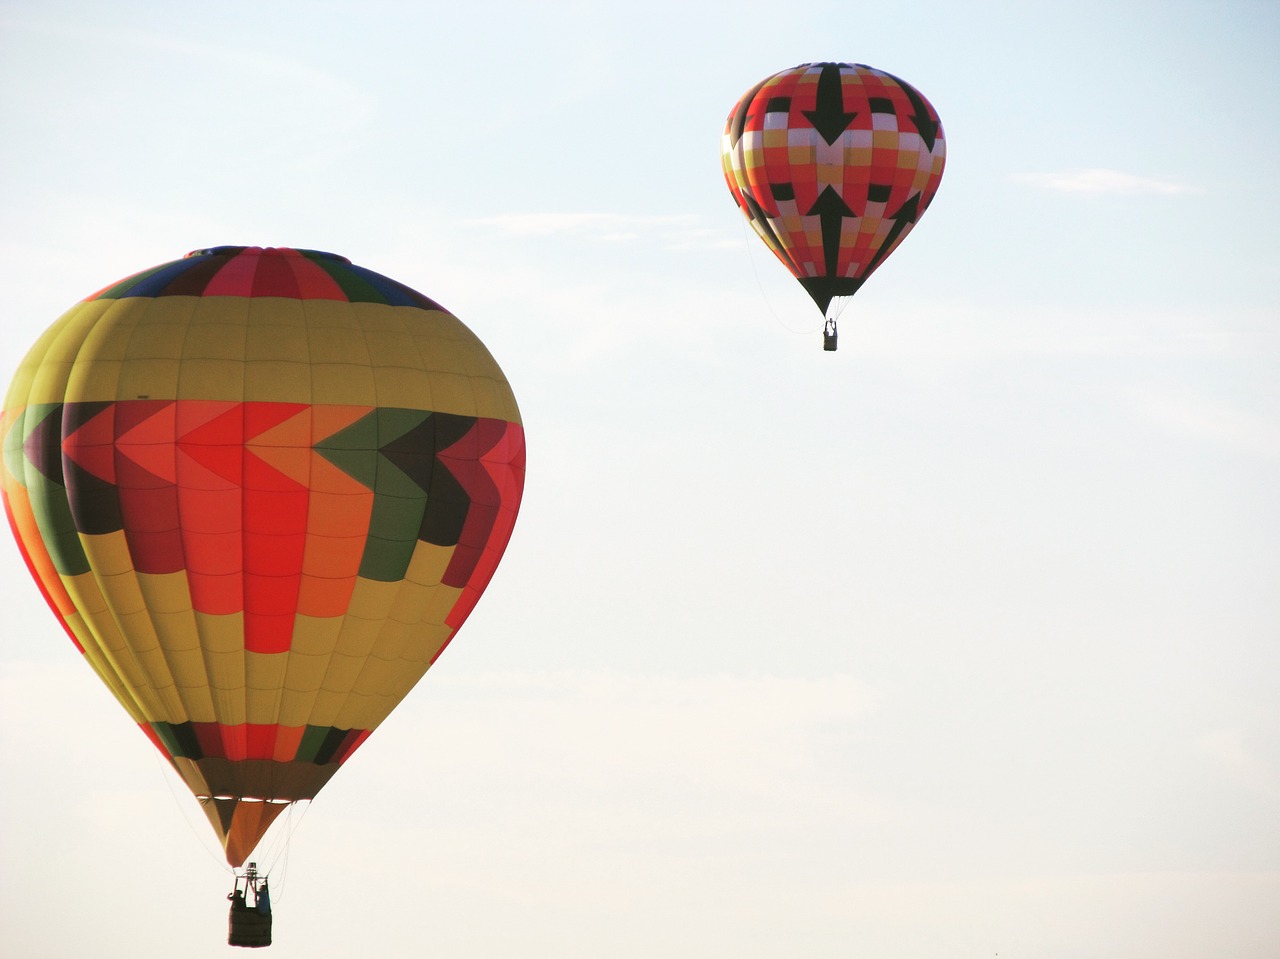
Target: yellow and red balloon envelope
{"points": [[833, 164], [261, 489]]}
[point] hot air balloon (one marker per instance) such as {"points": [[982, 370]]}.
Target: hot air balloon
{"points": [[832, 164], [261, 489]]}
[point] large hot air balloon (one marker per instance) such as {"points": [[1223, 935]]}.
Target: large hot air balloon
{"points": [[833, 164], [261, 489]]}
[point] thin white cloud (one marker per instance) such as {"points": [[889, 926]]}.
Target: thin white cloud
{"points": [[1099, 180]]}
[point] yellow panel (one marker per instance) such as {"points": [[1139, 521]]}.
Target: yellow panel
{"points": [[218, 310], [371, 599], [108, 553], [495, 399], [221, 633], [166, 592], [265, 673], [411, 599], [226, 686], [94, 380], [324, 710], [298, 708], [102, 666], [314, 636], [330, 315], [177, 631], [440, 604], [360, 712], [277, 381], [130, 631], [114, 659], [109, 337], [391, 347], [123, 594], [426, 641], [281, 311], [428, 565], [262, 705], [175, 625], [211, 380], [313, 643], [137, 379], [305, 673], [381, 318], [393, 639], [79, 628], [166, 695], [336, 345], [378, 677], [215, 341], [189, 673], [275, 342], [356, 640], [265, 670], [161, 332], [450, 393], [84, 592], [401, 386], [491, 397], [47, 351], [141, 640], [48, 382], [343, 672], [343, 383]]}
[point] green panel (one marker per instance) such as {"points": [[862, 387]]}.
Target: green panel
{"points": [[49, 503], [312, 740], [357, 289], [399, 502], [354, 450], [165, 733], [57, 528], [14, 457]]}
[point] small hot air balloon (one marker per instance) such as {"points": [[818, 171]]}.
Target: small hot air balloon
{"points": [[261, 489], [833, 164]]}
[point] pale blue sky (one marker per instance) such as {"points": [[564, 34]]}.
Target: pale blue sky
{"points": [[959, 641]]}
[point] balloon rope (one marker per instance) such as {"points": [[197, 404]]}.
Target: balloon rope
{"points": [[748, 233], [283, 842], [165, 772]]}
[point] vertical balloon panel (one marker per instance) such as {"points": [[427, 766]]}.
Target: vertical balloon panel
{"points": [[261, 489]]}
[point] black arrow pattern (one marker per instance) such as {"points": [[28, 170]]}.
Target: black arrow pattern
{"points": [[828, 116]]}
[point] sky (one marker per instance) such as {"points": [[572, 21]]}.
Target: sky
{"points": [[958, 642]]}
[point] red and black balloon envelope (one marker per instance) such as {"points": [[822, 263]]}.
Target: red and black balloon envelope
{"points": [[833, 164], [261, 489]]}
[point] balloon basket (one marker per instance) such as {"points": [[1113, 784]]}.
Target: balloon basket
{"points": [[249, 924]]}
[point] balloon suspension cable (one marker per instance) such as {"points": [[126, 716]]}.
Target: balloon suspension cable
{"points": [[747, 233], [182, 804], [281, 843]]}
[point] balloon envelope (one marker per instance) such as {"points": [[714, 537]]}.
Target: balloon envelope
{"points": [[833, 164], [261, 489]]}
